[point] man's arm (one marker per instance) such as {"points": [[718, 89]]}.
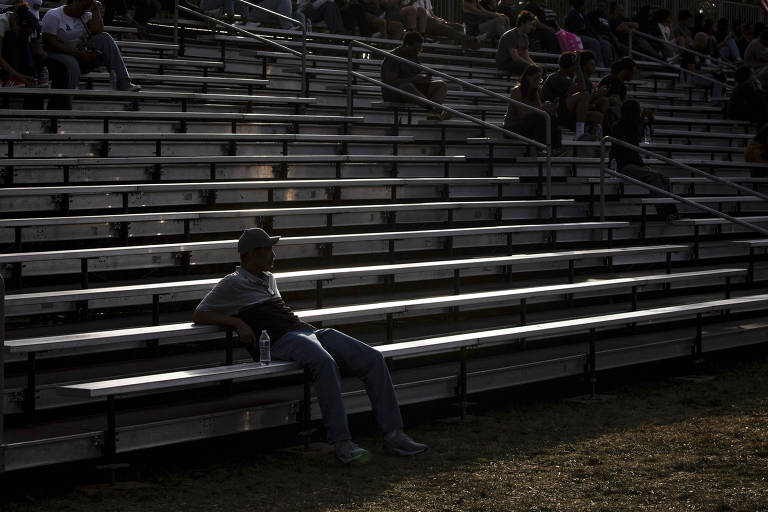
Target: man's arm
{"points": [[244, 332], [95, 24]]}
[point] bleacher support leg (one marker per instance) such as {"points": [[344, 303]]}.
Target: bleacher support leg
{"points": [[306, 409], [319, 294], [523, 312], [390, 327], [463, 383], [592, 364], [751, 272], [697, 345], [110, 435], [228, 347], [30, 393], [83, 273]]}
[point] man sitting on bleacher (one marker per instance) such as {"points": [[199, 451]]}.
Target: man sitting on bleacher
{"points": [[248, 301], [410, 78]]}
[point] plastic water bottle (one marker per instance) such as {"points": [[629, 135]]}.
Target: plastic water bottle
{"points": [[113, 80], [647, 135], [265, 352], [44, 76]]}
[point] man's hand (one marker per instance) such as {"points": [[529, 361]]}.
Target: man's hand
{"points": [[245, 333]]}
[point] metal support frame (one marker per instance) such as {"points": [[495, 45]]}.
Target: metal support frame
{"points": [[592, 364], [547, 145], [2, 374], [604, 170], [305, 415], [462, 384]]}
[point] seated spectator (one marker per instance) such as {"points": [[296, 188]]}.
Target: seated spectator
{"points": [[682, 32], [630, 129], [410, 78], [568, 95], [74, 35], [283, 7], [662, 29], [212, 7], [697, 64], [321, 10], [543, 37], [757, 152], [248, 301], [527, 122], [383, 18], [598, 103], [726, 42], [599, 24], [748, 101], [622, 26], [488, 25], [576, 22], [508, 8], [614, 89], [20, 53], [743, 33], [429, 23], [756, 57], [144, 10], [512, 53]]}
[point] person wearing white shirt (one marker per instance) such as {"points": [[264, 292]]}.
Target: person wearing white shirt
{"points": [[74, 35]]}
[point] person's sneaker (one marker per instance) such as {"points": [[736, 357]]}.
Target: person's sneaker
{"points": [[348, 452], [13, 82], [400, 444], [126, 85]]}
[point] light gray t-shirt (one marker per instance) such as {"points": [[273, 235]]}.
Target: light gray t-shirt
{"points": [[239, 290], [754, 52], [68, 30], [512, 39]]}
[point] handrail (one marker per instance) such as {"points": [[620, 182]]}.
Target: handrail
{"points": [[2, 374], [720, 60], [301, 54], [547, 145], [660, 191]]}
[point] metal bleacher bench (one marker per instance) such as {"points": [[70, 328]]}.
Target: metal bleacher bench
{"points": [[204, 81], [18, 304], [184, 117], [183, 332], [181, 253], [112, 388]]}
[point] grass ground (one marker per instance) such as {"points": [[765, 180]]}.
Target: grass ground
{"points": [[660, 443]]}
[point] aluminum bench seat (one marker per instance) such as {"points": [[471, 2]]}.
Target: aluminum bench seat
{"points": [[318, 278], [223, 81]]}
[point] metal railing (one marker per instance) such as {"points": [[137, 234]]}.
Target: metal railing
{"points": [[2, 374], [302, 55], [604, 170], [547, 145], [719, 61]]}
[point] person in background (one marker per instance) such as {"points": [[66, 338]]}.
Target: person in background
{"points": [[748, 101], [383, 18], [726, 42], [430, 24], [662, 29], [576, 22], [73, 35], [628, 161], [757, 152], [614, 87], [599, 24], [248, 301], [327, 11], [411, 79], [622, 26], [512, 52], [697, 63], [682, 32], [487, 24], [543, 37], [569, 96], [756, 57], [527, 122], [21, 55]]}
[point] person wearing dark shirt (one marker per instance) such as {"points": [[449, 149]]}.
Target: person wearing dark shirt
{"points": [[410, 78], [622, 26], [757, 152], [248, 301], [487, 24], [599, 24], [576, 22], [748, 101], [512, 52], [543, 37], [682, 32], [571, 98], [698, 64], [527, 122], [629, 162]]}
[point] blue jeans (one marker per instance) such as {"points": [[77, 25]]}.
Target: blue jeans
{"points": [[327, 351]]}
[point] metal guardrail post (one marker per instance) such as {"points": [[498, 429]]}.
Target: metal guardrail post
{"points": [[630, 42], [350, 53], [176, 22], [2, 374], [602, 178], [463, 83], [548, 163]]}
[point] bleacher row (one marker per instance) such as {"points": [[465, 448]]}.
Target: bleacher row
{"points": [[433, 241]]}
